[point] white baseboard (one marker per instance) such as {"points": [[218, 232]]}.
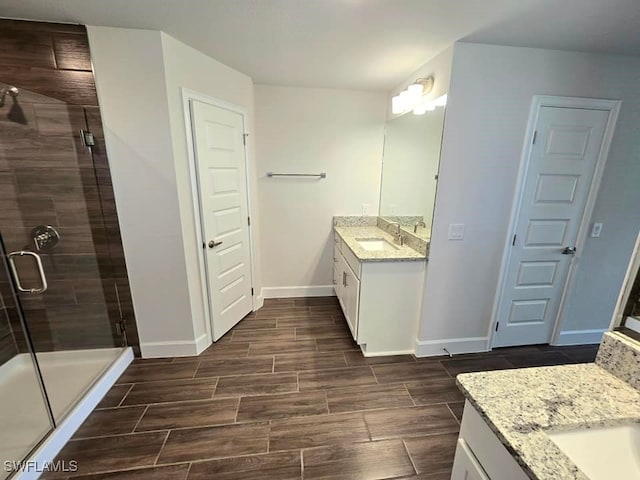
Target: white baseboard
{"points": [[580, 337], [297, 292], [258, 302], [386, 354], [202, 343], [174, 349], [52, 445], [633, 324], [432, 348]]}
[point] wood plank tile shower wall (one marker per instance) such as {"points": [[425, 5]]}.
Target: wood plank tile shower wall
{"points": [[47, 177]]}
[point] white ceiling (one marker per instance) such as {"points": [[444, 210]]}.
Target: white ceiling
{"points": [[363, 44]]}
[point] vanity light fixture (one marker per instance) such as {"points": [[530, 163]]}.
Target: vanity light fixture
{"points": [[430, 106], [412, 96]]}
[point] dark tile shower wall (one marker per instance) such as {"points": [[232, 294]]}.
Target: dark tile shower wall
{"points": [[48, 177]]}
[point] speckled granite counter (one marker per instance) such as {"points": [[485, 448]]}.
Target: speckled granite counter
{"points": [[519, 405], [350, 236]]}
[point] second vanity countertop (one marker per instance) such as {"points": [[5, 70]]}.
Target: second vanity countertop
{"points": [[350, 236], [520, 405]]}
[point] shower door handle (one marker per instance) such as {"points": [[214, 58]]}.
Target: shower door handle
{"points": [[14, 271]]}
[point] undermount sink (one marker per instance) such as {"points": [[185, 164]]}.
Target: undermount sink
{"points": [[603, 453], [376, 244]]}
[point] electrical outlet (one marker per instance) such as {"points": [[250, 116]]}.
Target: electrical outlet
{"points": [[456, 231], [596, 230], [365, 209]]}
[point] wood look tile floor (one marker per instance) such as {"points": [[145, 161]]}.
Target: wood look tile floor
{"points": [[287, 395]]}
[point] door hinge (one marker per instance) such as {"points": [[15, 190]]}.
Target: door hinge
{"points": [[204, 245], [244, 138], [252, 291], [513, 242], [497, 325], [88, 140], [535, 135], [249, 221], [121, 327]]}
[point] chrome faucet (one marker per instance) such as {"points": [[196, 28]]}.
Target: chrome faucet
{"points": [[398, 235], [419, 224]]}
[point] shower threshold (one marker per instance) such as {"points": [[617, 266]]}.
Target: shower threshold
{"points": [[76, 381]]}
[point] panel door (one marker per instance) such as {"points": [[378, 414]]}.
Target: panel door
{"points": [[557, 184], [222, 183]]}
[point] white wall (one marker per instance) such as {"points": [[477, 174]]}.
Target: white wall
{"points": [[187, 67], [129, 73], [489, 101], [305, 130], [138, 77]]}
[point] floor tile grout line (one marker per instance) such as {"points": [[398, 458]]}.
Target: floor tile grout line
{"points": [[454, 415], [301, 465], [409, 393], [125, 395], [162, 447], [406, 449], [215, 387], [366, 424], [235, 418], [374, 374], [186, 477], [140, 419]]}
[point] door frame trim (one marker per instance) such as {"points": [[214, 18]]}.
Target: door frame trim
{"points": [[187, 96], [625, 291], [539, 101]]}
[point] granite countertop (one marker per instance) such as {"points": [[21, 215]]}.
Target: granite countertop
{"points": [[350, 235], [519, 405]]}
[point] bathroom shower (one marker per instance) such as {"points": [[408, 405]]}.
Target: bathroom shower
{"points": [[15, 114]]}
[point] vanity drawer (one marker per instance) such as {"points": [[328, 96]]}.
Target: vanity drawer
{"points": [[352, 261], [337, 241]]}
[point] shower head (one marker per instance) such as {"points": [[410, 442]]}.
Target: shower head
{"points": [[13, 91], [16, 114]]}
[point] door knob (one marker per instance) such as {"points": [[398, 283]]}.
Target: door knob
{"points": [[569, 251], [214, 244]]}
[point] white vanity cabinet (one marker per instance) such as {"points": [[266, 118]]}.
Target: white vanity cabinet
{"points": [[480, 455], [381, 300]]}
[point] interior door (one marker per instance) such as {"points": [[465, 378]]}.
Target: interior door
{"points": [[559, 176], [222, 183]]}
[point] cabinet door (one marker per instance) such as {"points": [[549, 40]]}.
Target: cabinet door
{"points": [[352, 300], [337, 273], [465, 464], [339, 267]]}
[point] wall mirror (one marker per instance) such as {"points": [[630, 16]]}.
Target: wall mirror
{"points": [[410, 168]]}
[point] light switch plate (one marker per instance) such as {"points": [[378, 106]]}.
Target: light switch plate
{"points": [[365, 209], [456, 231], [596, 230]]}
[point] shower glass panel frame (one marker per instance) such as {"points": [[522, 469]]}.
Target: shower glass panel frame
{"points": [[26, 415], [65, 314]]}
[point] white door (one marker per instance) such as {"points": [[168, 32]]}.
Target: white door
{"points": [[222, 184], [557, 184]]}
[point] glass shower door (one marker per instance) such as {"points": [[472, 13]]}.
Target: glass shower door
{"points": [[55, 236], [24, 411]]}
